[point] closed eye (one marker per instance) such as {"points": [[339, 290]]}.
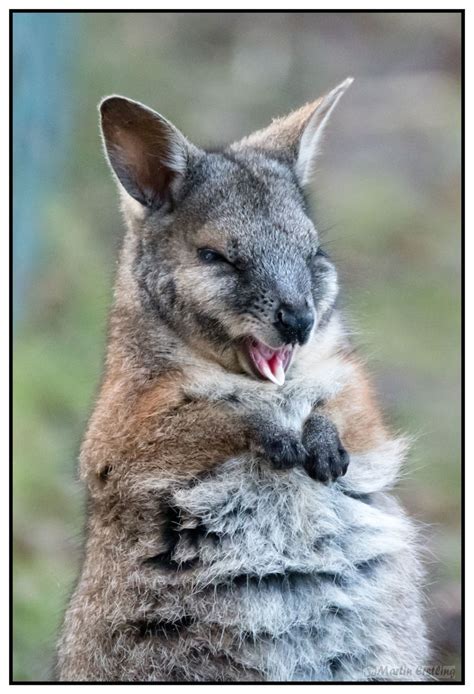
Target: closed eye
{"points": [[319, 254], [211, 256]]}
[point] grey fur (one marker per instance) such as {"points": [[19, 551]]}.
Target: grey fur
{"points": [[251, 569], [273, 577]]}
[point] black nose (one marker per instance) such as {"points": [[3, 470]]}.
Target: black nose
{"points": [[294, 323]]}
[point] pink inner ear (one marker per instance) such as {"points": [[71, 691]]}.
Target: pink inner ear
{"points": [[140, 158]]}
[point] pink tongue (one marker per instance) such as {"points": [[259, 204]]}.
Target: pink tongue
{"points": [[269, 362], [274, 370], [273, 363]]}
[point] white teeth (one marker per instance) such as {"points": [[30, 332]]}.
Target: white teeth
{"points": [[260, 354], [279, 376], [268, 373]]}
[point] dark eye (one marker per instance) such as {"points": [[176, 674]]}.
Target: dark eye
{"points": [[209, 255], [314, 255]]}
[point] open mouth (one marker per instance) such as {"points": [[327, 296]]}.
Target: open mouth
{"points": [[267, 362]]}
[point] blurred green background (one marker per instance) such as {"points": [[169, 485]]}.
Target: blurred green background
{"points": [[387, 197]]}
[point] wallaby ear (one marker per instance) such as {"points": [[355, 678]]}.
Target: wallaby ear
{"points": [[312, 133], [296, 138], [147, 153]]}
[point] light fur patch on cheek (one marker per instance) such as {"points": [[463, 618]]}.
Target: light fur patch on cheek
{"points": [[197, 284]]}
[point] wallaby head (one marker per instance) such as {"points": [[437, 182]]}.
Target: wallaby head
{"points": [[224, 251]]}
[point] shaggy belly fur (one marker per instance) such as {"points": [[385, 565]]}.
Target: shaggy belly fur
{"points": [[267, 575]]}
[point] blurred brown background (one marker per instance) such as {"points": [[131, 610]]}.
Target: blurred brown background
{"points": [[387, 198]]}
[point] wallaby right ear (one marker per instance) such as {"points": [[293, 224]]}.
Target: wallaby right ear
{"points": [[147, 153]]}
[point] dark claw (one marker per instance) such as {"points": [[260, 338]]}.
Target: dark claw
{"points": [[318, 467], [344, 460]]}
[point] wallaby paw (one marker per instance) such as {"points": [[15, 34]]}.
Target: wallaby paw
{"points": [[326, 459], [284, 451]]}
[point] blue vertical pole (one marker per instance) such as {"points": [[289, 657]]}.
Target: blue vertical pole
{"points": [[42, 93]]}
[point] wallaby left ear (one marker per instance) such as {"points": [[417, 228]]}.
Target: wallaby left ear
{"points": [[296, 138], [147, 153]]}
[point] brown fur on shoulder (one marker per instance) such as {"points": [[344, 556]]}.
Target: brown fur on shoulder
{"points": [[356, 412], [155, 429]]}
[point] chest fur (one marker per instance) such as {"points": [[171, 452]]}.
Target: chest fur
{"points": [[289, 579]]}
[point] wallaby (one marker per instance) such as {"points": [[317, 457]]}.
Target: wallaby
{"points": [[237, 460]]}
